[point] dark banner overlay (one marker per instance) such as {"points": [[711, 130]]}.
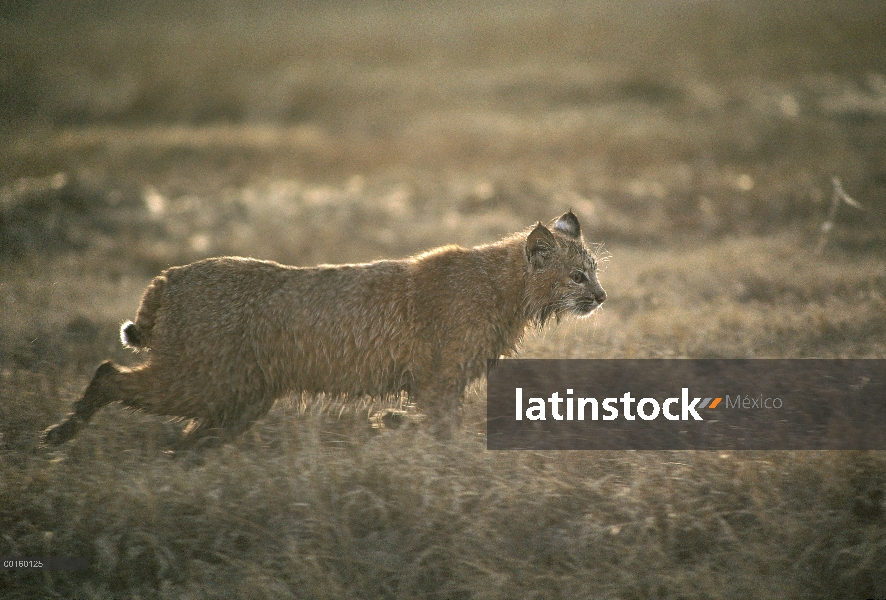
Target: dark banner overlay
{"points": [[709, 404]]}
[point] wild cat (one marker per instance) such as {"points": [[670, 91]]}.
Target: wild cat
{"points": [[226, 337]]}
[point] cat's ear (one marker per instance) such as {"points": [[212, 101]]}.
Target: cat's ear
{"points": [[539, 245], [568, 225]]}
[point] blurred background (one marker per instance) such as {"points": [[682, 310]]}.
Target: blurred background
{"points": [[434, 122], [699, 140]]}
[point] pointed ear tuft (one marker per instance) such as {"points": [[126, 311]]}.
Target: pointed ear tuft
{"points": [[539, 245], [568, 225]]}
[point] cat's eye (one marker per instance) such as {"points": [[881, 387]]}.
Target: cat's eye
{"points": [[579, 277]]}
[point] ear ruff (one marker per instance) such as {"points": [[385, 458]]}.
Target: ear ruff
{"points": [[568, 225]]}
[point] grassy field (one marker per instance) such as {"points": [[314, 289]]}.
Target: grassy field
{"points": [[696, 140]]}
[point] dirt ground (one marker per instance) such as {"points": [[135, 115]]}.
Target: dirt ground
{"points": [[703, 143]]}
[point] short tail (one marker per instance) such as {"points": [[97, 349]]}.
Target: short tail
{"points": [[138, 334], [131, 335]]}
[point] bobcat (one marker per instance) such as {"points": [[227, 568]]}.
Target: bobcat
{"points": [[228, 336]]}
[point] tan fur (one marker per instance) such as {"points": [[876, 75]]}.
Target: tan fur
{"points": [[228, 336]]}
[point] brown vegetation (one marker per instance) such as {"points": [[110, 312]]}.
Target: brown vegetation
{"points": [[698, 140]]}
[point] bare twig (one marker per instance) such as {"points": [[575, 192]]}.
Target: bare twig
{"points": [[839, 197]]}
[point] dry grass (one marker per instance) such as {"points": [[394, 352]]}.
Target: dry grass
{"points": [[697, 140]]}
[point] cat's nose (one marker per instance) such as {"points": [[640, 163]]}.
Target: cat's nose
{"points": [[600, 295]]}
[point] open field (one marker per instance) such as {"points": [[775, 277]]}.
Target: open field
{"points": [[696, 140]]}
